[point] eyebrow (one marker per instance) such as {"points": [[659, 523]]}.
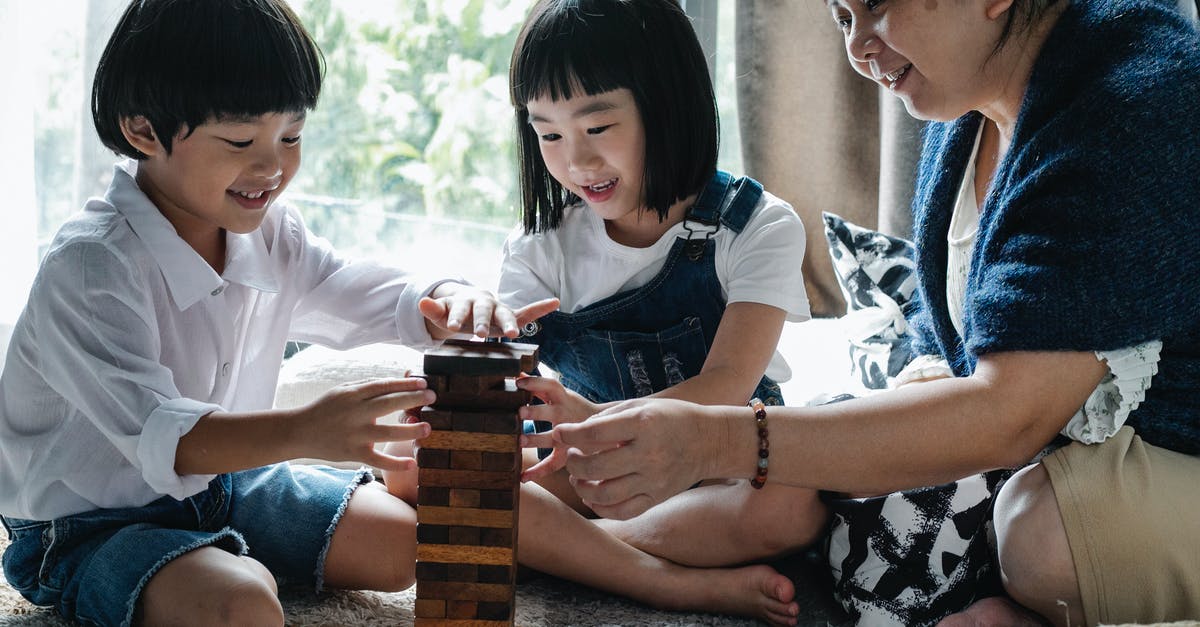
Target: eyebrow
{"points": [[593, 107]]}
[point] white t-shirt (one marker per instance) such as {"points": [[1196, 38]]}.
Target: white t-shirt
{"points": [[129, 338], [579, 264]]}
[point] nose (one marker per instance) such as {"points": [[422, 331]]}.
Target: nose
{"points": [[861, 43], [583, 157], [268, 163]]}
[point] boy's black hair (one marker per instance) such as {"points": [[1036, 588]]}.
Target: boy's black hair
{"points": [[181, 63], [646, 46]]}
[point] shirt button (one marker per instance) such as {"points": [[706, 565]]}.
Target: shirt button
{"points": [[218, 291], [225, 370]]}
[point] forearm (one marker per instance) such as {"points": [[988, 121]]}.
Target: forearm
{"points": [[227, 442], [919, 435], [722, 385]]}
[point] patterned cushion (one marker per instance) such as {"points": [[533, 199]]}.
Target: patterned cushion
{"points": [[876, 273], [910, 557]]}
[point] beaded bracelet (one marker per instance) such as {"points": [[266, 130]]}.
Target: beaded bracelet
{"points": [[764, 446]]}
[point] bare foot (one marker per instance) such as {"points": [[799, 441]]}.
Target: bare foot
{"points": [[993, 612], [756, 591]]}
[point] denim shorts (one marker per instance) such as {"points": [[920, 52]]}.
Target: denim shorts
{"points": [[93, 566]]}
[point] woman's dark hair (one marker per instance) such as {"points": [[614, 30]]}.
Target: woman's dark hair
{"points": [[1022, 15], [181, 63], [645, 46]]}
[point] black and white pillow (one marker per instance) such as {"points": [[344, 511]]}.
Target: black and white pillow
{"points": [[910, 557], [877, 275]]}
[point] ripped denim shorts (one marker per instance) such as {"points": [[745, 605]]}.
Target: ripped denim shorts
{"points": [[93, 566]]}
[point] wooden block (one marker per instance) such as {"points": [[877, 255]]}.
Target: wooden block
{"points": [[475, 384], [433, 571], [429, 608], [475, 479], [503, 422], [464, 516], [466, 421], [500, 461], [469, 536], [508, 398], [493, 611], [490, 536], [468, 441], [435, 534], [459, 622], [464, 572], [496, 574], [466, 460], [465, 357], [437, 418], [464, 498], [434, 495], [463, 554], [494, 499], [462, 609], [459, 591], [432, 457]]}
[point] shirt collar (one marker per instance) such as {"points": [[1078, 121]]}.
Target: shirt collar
{"points": [[189, 278]]}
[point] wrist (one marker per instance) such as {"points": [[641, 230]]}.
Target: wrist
{"points": [[734, 454]]}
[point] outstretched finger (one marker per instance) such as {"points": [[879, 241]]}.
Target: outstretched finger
{"points": [[600, 432], [435, 310], [399, 432], [546, 467], [536, 310], [384, 404], [390, 463], [545, 388]]}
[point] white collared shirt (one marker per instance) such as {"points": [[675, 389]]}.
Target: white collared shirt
{"points": [[129, 338]]}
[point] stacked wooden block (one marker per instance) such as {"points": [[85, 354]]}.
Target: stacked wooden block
{"points": [[469, 484]]}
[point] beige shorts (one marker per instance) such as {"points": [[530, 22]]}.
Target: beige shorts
{"points": [[1132, 515]]}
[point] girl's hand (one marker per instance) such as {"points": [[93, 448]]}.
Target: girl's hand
{"points": [[561, 406], [639, 453], [342, 424], [452, 307]]}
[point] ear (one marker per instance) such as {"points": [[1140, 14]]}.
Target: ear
{"points": [[995, 8], [140, 134]]}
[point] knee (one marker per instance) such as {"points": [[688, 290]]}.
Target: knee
{"points": [[785, 520], [249, 601], [1031, 542]]}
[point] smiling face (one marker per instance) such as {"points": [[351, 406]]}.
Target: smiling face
{"points": [[224, 174], [932, 54], [595, 147]]}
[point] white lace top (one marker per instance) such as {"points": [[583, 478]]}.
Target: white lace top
{"points": [[1129, 369]]}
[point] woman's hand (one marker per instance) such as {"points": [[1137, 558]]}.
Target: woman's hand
{"points": [[561, 406], [452, 307], [342, 425], [639, 453]]}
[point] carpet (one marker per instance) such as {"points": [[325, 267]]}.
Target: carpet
{"points": [[542, 601]]}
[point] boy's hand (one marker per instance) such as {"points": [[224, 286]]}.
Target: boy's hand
{"points": [[456, 308], [561, 406], [342, 424]]}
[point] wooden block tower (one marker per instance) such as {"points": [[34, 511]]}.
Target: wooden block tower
{"points": [[469, 485]]}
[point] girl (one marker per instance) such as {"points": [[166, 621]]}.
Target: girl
{"points": [[140, 479], [675, 280], [667, 270], [1056, 207]]}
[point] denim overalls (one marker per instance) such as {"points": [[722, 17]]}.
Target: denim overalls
{"points": [[647, 339]]}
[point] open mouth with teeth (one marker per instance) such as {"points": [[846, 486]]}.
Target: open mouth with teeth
{"points": [[602, 187], [251, 200], [893, 77], [600, 192]]}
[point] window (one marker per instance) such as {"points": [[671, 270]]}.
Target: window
{"points": [[408, 158]]}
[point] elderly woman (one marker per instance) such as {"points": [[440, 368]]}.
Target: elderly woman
{"points": [[1056, 210]]}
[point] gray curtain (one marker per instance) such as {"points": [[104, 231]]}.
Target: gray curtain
{"points": [[818, 135]]}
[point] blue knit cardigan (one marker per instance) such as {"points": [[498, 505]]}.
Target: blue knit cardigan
{"points": [[1090, 236]]}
